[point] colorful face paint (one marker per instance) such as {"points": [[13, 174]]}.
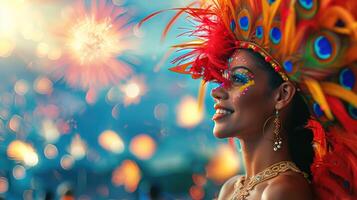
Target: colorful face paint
{"points": [[242, 78]]}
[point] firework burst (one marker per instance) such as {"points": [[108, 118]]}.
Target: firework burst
{"points": [[96, 33]]}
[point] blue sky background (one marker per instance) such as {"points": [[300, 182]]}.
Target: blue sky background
{"points": [[180, 151]]}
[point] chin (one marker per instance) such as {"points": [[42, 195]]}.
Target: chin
{"points": [[221, 133]]}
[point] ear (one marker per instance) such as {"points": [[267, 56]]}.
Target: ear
{"points": [[284, 95]]}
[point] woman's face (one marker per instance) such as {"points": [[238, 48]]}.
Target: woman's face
{"points": [[242, 109]]}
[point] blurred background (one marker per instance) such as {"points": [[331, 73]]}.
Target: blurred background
{"points": [[89, 109]]}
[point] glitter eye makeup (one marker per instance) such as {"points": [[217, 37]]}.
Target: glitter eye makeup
{"points": [[242, 77]]}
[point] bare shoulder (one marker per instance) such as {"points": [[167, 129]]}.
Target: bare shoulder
{"points": [[290, 186], [228, 188]]}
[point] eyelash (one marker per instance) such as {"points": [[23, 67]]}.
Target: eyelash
{"points": [[239, 78]]}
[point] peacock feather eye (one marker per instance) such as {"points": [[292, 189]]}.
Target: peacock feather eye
{"points": [[259, 32], [275, 35], [271, 1], [323, 48], [307, 4], [288, 66], [244, 23], [317, 110], [347, 78]]}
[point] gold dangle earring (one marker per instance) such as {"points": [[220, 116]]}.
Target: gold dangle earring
{"points": [[277, 126]]}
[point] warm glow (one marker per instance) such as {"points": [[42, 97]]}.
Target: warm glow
{"points": [[8, 17], [42, 50], [19, 172], [43, 85], [23, 152], [21, 87], [128, 174], [133, 90], [67, 162], [197, 192], [94, 35], [49, 131], [111, 141], [6, 47], [14, 14], [14, 123], [93, 40], [224, 164], [143, 146], [4, 185], [51, 151], [54, 54], [188, 114], [78, 147]]}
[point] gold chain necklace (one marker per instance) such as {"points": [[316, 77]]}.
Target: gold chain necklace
{"points": [[242, 189]]}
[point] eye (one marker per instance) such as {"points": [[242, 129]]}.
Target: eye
{"points": [[240, 78]]}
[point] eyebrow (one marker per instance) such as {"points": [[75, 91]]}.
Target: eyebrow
{"points": [[240, 67]]}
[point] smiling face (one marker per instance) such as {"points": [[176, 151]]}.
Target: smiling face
{"points": [[242, 109]]}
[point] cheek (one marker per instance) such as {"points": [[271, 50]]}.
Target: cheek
{"points": [[242, 91]]}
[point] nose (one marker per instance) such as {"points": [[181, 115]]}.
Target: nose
{"points": [[219, 93]]}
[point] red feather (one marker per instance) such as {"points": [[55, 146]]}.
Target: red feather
{"points": [[343, 117]]}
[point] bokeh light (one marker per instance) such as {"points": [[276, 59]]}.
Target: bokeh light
{"points": [[111, 141], [197, 192], [6, 47], [43, 85], [50, 151], [188, 115], [127, 174], [4, 185], [23, 152], [133, 90], [143, 146], [67, 162], [224, 164], [49, 131], [78, 147], [21, 87], [19, 172], [15, 123], [161, 111], [42, 50]]}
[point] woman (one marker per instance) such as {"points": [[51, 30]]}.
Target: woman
{"points": [[243, 116], [287, 92]]}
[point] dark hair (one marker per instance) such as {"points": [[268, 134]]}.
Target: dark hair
{"points": [[299, 137]]}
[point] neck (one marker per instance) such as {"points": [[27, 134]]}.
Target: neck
{"points": [[259, 154]]}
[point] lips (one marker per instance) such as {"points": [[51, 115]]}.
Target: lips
{"points": [[221, 112]]}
